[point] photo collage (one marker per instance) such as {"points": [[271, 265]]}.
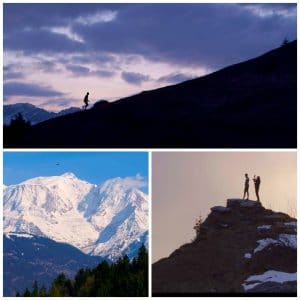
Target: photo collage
{"points": [[149, 150]]}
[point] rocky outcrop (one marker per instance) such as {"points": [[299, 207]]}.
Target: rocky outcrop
{"points": [[235, 248]]}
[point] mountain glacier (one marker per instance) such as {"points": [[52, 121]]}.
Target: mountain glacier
{"points": [[108, 220]]}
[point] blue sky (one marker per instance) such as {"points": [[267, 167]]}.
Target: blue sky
{"points": [[55, 53], [94, 167]]}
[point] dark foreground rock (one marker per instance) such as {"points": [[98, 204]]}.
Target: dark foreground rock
{"points": [[233, 243]]}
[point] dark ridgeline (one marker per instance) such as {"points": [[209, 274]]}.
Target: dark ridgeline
{"points": [[230, 246], [124, 278], [250, 104]]}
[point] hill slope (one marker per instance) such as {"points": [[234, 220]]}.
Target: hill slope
{"points": [[251, 104], [241, 248], [28, 258]]}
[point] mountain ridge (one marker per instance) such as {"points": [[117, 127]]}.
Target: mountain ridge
{"points": [[32, 113], [44, 205]]}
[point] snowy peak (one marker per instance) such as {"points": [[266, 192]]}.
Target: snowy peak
{"points": [[104, 220]]}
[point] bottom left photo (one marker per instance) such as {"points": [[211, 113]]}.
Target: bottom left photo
{"points": [[75, 224]]}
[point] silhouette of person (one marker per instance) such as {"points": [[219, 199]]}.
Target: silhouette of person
{"points": [[256, 186], [86, 101], [246, 187]]}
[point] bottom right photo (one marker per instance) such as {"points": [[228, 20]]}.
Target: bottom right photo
{"points": [[224, 223]]}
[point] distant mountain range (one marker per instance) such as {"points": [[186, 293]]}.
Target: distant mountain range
{"points": [[32, 113], [62, 223], [252, 104], [242, 248]]}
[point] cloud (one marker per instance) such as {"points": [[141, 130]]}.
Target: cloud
{"points": [[267, 11], [134, 78], [26, 89], [97, 17], [71, 45], [175, 78], [78, 70], [103, 73], [135, 182], [66, 31], [58, 102], [41, 41], [12, 75], [208, 35]]}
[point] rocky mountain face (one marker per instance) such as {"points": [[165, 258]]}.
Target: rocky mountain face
{"points": [[108, 220], [28, 258], [240, 248]]}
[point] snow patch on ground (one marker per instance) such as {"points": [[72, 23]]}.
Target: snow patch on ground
{"points": [[289, 240], [269, 276], [248, 255], [291, 224], [24, 235], [284, 239], [262, 227], [264, 243]]}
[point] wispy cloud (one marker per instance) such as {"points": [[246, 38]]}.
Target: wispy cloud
{"points": [[98, 17], [66, 31]]}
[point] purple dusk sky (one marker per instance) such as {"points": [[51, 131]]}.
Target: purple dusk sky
{"points": [[55, 53]]}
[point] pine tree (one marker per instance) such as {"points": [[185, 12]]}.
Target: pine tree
{"points": [[35, 290], [122, 278]]}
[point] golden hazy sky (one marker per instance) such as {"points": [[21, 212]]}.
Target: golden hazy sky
{"points": [[186, 185]]}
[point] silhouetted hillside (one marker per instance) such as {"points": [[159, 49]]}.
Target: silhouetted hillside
{"points": [[241, 248], [251, 104]]}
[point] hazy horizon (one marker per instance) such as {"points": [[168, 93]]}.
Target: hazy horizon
{"points": [[186, 185], [55, 53]]}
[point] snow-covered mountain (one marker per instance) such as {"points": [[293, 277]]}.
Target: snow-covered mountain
{"points": [[32, 113], [108, 220]]}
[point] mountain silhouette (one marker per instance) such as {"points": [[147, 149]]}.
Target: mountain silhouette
{"points": [[242, 248], [32, 113], [252, 104]]}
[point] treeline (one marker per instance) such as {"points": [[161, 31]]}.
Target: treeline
{"points": [[122, 278], [17, 128]]}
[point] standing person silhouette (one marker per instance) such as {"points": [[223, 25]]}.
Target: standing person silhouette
{"points": [[86, 101], [246, 187], [256, 186]]}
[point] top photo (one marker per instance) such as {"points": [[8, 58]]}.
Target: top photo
{"points": [[145, 75]]}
